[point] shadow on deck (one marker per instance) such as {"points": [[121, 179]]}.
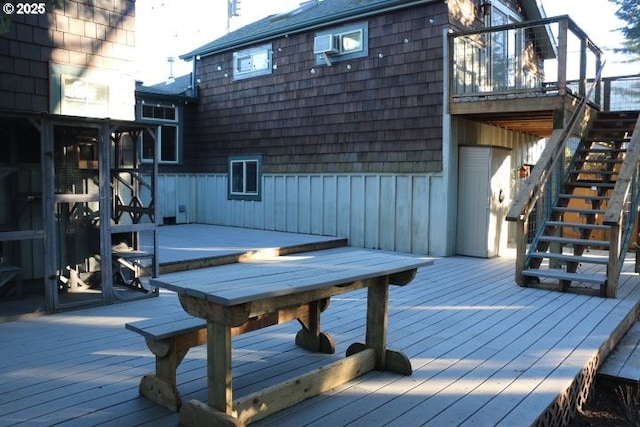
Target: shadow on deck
{"points": [[484, 350]]}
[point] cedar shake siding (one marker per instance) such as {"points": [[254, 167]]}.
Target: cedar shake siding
{"points": [[92, 35], [383, 115]]}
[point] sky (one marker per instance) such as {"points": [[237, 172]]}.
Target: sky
{"points": [[597, 19], [170, 28]]}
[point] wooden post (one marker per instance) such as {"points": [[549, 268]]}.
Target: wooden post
{"points": [[637, 245], [219, 378], [597, 90], [48, 215], [377, 320], [583, 67], [563, 26], [105, 214], [521, 247], [613, 266]]}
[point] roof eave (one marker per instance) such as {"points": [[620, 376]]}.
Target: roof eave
{"points": [[303, 27], [165, 97]]}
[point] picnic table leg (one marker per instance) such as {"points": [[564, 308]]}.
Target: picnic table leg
{"points": [[310, 336], [218, 410], [376, 336]]}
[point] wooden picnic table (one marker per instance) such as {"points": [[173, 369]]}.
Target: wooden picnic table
{"points": [[251, 295]]}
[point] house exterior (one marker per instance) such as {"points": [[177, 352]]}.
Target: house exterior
{"points": [[333, 119], [70, 180]]}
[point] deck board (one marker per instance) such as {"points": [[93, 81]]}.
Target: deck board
{"points": [[484, 351], [624, 361]]}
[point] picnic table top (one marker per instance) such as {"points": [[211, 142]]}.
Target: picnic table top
{"points": [[276, 276]]}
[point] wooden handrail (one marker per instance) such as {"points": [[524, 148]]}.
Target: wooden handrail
{"points": [[532, 188], [625, 178]]}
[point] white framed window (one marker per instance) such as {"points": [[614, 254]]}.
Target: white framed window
{"points": [[244, 177], [252, 62], [168, 119], [351, 42]]}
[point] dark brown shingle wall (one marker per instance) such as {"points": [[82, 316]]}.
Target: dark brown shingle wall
{"points": [[94, 34], [384, 115]]}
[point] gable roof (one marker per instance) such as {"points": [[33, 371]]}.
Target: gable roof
{"points": [[315, 14], [309, 15]]}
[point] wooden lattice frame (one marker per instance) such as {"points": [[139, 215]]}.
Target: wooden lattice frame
{"points": [[572, 399]]}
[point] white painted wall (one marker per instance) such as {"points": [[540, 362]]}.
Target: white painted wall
{"points": [[389, 212]]}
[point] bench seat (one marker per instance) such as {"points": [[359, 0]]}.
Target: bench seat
{"points": [[169, 338]]}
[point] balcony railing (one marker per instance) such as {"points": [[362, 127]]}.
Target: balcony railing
{"points": [[534, 58], [621, 93]]}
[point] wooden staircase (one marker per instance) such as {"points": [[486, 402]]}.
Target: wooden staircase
{"points": [[575, 248]]}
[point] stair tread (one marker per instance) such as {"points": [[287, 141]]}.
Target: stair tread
{"points": [[585, 184], [578, 225], [594, 172], [578, 210], [571, 258], [601, 150], [563, 275], [582, 196], [574, 241]]}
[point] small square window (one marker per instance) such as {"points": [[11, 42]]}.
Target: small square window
{"points": [[252, 62], [244, 177]]}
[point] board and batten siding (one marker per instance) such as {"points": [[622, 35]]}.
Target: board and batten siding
{"points": [[388, 212]]}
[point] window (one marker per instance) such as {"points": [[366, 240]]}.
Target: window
{"points": [[161, 112], [252, 62], [244, 177], [167, 118], [350, 41]]}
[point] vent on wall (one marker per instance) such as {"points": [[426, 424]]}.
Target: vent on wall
{"points": [[326, 44]]}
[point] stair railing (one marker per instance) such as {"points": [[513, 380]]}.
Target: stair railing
{"points": [[621, 213], [538, 182]]}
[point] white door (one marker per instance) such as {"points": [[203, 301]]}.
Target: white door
{"points": [[483, 200]]}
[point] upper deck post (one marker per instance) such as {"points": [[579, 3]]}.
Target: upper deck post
{"points": [[582, 84], [563, 27]]}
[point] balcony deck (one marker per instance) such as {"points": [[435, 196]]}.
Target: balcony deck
{"points": [[484, 351]]}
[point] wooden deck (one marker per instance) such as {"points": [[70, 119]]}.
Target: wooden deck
{"points": [[485, 352], [623, 363]]}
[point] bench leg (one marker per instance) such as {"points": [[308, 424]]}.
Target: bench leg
{"points": [[310, 336], [161, 387]]}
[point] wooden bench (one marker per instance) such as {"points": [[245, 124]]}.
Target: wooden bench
{"points": [[170, 337]]}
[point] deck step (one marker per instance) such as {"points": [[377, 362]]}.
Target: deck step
{"points": [[572, 241], [563, 275], [589, 184], [578, 225], [582, 196], [602, 150], [570, 258], [593, 172], [579, 210], [600, 160]]}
